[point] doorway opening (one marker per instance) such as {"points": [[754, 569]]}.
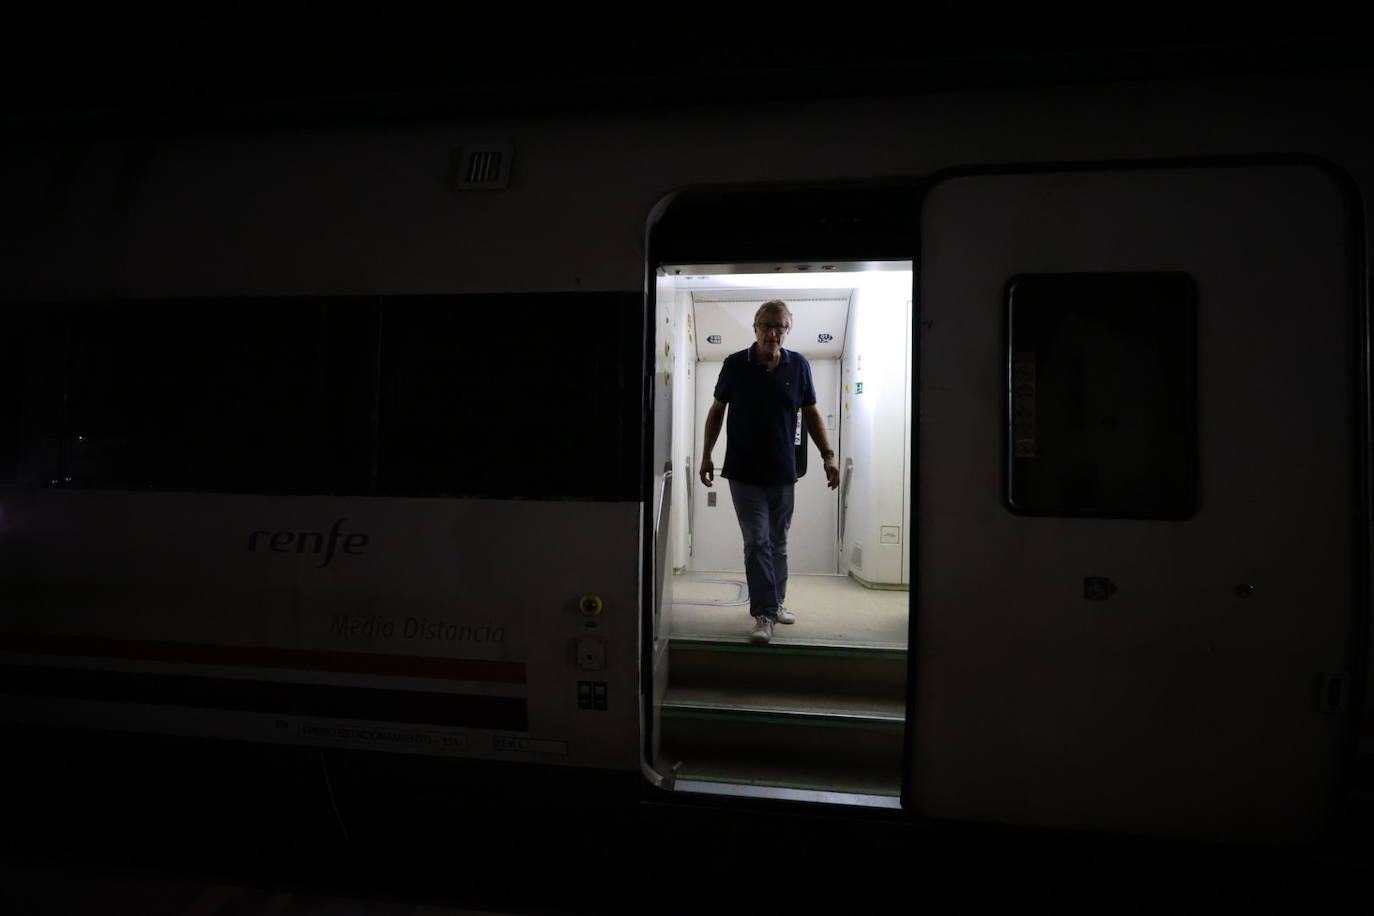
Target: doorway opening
{"points": [[818, 713]]}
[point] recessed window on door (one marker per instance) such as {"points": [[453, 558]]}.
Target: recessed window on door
{"points": [[1101, 395]]}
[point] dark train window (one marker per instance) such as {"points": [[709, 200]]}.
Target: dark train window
{"points": [[246, 395], [1101, 402], [533, 396], [504, 396], [32, 368]]}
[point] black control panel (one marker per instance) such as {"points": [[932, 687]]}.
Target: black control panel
{"points": [[591, 695]]}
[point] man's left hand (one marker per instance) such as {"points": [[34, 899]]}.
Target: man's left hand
{"points": [[832, 473]]}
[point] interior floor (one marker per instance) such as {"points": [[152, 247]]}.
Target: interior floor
{"points": [[831, 611]]}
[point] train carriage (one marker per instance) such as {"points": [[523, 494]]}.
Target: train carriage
{"points": [[377, 442]]}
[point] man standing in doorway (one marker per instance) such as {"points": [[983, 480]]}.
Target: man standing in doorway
{"points": [[769, 391]]}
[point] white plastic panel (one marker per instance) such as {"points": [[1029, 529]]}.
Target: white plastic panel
{"points": [[875, 406], [725, 319]]}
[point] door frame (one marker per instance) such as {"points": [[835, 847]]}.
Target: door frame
{"points": [[789, 222]]}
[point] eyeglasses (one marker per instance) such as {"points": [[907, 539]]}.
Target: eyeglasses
{"points": [[784, 328]]}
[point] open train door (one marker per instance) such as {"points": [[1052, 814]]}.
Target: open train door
{"points": [[1141, 567]]}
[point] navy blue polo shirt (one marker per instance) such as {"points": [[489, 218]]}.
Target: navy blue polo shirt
{"points": [[761, 425]]}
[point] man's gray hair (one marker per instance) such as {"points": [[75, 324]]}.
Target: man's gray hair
{"points": [[774, 306]]}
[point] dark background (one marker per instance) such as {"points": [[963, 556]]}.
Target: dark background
{"points": [[349, 824], [301, 62]]}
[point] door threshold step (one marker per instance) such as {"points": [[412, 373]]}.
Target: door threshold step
{"points": [[787, 646], [876, 709], [785, 717], [786, 793], [792, 775]]}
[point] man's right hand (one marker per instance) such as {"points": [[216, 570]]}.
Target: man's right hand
{"points": [[708, 471]]}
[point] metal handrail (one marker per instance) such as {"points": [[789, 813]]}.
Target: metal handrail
{"points": [[664, 500], [661, 541], [844, 496]]}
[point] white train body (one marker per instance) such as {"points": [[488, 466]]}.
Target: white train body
{"points": [[454, 616]]}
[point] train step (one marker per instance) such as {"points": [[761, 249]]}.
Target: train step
{"points": [[794, 668], [798, 780], [802, 752], [836, 742], [788, 705]]}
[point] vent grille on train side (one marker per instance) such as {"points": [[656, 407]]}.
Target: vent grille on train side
{"points": [[483, 168]]}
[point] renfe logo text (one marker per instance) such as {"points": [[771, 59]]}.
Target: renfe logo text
{"points": [[308, 542]]}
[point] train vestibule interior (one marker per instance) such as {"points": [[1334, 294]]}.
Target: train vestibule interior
{"points": [[819, 709]]}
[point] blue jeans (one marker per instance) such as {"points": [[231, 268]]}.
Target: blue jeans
{"points": [[765, 514]]}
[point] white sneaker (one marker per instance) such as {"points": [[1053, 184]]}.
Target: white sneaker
{"points": [[763, 630], [786, 616]]}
